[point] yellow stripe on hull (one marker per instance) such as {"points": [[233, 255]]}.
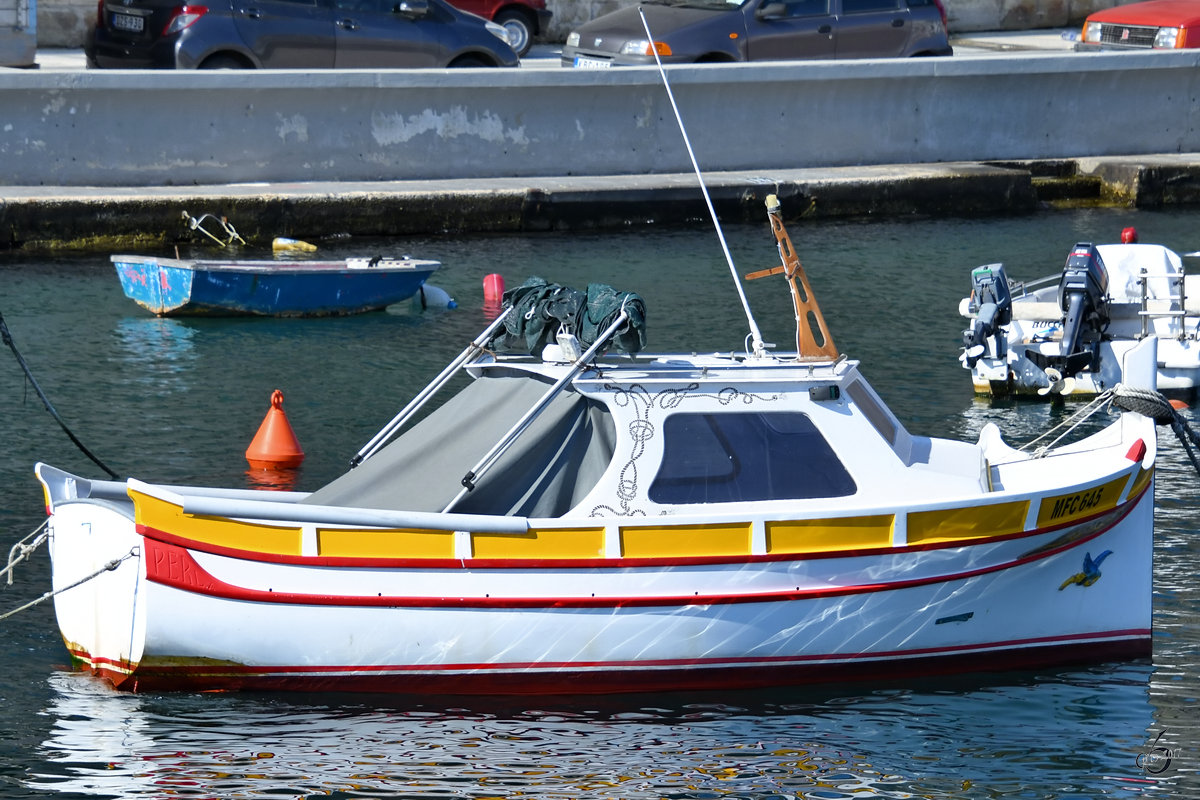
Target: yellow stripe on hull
{"points": [[1060, 508], [825, 535], [349, 543], [561, 543], [662, 541], [220, 531], [969, 522], [681, 541]]}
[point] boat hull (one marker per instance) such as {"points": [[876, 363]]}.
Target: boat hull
{"points": [[178, 616], [1017, 375], [174, 287]]}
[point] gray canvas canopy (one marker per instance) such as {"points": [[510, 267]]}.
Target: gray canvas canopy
{"points": [[547, 471]]}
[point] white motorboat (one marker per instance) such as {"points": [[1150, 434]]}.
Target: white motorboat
{"points": [[1068, 333], [580, 522]]}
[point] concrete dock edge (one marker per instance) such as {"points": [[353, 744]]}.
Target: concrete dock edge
{"points": [[109, 217]]}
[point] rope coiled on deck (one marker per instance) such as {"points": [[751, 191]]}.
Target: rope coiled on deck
{"points": [[1146, 402]]}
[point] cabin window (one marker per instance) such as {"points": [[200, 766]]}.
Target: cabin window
{"points": [[874, 412], [728, 458]]}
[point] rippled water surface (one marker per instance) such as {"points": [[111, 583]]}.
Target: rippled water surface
{"points": [[174, 401]]}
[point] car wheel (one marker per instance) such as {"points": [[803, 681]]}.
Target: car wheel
{"points": [[520, 30], [223, 62]]}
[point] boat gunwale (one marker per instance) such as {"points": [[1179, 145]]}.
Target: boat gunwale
{"points": [[215, 587], [298, 266], [1120, 510]]}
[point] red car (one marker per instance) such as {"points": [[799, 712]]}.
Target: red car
{"points": [[523, 19], [1157, 24]]}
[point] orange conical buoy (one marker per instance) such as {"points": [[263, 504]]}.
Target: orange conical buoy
{"points": [[275, 444], [1178, 405]]}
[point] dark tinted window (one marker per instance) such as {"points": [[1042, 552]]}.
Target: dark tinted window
{"points": [[861, 6], [806, 8], [726, 458]]}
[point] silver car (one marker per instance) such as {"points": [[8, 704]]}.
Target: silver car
{"points": [[697, 31]]}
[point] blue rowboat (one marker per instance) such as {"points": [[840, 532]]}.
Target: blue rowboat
{"points": [[188, 287]]}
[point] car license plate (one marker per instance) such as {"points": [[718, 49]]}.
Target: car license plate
{"points": [[584, 62], [128, 22]]}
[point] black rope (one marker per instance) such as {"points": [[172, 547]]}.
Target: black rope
{"points": [[8, 340], [1157, 407]]}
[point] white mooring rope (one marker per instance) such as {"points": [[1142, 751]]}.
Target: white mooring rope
{"points": [[109, 567]]}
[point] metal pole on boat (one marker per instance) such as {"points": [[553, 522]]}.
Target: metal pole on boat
{"points": [[755, 335], [414, 405], [469, 480]]}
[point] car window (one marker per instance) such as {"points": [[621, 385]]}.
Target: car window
{"points": [[864, 6], [806, 8], [379, 6]]}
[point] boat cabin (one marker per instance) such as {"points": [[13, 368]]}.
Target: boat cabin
{"points": [[661, 435]]}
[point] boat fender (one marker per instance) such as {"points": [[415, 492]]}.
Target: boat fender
{"points": [[433, 297], [283, 244]]}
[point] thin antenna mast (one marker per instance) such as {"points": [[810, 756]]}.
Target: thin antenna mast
{"points": [[755, 335]]}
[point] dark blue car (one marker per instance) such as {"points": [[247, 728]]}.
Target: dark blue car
{"points": [[294, 34]]}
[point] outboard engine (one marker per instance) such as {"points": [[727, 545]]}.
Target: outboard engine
{"points": [[991, 303], [1083, 297]]}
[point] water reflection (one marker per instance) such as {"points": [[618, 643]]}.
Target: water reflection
{"points": [[159, 351], [274, 479], [1084, 728]]}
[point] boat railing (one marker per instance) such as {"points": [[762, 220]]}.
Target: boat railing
{"points": [[1025, 288], [472, 352], [1176, 299]]}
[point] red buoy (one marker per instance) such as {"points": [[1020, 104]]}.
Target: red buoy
{"points": [[493, 289], [1178, 405], [1129, 236], [275, 444]]}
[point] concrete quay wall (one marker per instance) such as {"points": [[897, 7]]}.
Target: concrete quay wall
{"points": [[133, 129]]}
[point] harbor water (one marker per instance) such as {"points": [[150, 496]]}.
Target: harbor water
{"points": [[178, 401]]}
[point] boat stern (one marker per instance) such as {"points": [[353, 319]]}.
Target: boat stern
{"points": [[96, 572]]}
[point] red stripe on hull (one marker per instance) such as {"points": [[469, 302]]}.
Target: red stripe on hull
{"points": [[172, 565], [626, 678], [1117, 513]]}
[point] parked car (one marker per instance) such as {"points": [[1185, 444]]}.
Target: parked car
{"points": [[1157, 24], [294, 34], [689, 31], [524, 19]]}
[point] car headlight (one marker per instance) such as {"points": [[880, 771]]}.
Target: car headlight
{"points": [[1166, 38], [1091, 32], [642, 47], [500, 32], [573, 39]]}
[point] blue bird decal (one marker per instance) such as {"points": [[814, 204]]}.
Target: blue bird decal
{"points": [[1091, 571]]}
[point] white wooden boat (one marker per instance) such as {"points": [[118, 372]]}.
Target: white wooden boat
{"points": [[1026, 340], [613, 524]]}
